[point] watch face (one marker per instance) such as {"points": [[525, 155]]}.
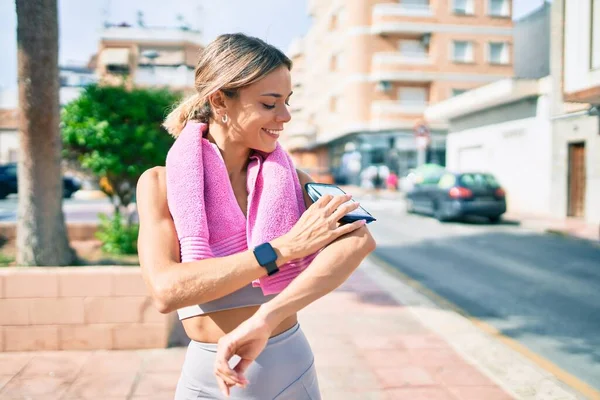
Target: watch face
{"points": [[265, 254]]}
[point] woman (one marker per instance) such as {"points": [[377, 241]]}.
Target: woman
{"points": [[243, 87]]}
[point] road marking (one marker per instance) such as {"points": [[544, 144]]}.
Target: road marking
{"points": [[569, 379]]}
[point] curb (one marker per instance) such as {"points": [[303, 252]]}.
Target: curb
{"points": [[520, 372]]}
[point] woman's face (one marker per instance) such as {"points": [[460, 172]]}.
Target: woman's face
{"points": [[258, 113]]}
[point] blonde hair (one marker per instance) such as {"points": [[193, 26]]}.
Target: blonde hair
{"points": [[228, 63]]}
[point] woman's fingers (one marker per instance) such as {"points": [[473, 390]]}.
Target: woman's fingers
{"points": [[347, 228], [344, 209], [336, 202], [223, 387]]}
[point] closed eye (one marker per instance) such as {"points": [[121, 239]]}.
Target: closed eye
{"points": [[268, 106]]}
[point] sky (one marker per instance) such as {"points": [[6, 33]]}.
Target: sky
{"points": [[80, 22]]}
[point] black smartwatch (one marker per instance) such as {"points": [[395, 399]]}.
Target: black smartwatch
{"points": [[266, 257]]}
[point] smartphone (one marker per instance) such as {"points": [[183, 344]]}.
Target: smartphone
{"points": [[316, 190]]}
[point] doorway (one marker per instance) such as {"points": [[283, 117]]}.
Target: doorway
{"points": [[576, 180]]}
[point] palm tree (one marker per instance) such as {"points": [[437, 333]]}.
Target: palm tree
{"points": [[41, 231]]}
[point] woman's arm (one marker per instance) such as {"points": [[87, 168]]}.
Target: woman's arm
{"points": [[173, 284], [330, 268]]}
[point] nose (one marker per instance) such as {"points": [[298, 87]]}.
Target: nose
{"points": [[284, 115]]}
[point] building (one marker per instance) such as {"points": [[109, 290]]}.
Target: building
{"points": [[73, 78], [540, 137], [371, 67], [576, 135], [144, 56]]}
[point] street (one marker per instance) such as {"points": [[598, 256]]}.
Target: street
{"points": [[76, 210], [538, 289]]}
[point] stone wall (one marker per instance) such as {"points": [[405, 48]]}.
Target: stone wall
{"points": [[77, 308]]}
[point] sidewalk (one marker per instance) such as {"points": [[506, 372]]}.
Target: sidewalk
{"points": [[373, 338]]}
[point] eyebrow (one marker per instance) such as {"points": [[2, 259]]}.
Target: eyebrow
{"points": [[277, 95]]}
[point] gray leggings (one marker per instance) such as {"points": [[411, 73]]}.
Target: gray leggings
{"points": [[284, 371]]}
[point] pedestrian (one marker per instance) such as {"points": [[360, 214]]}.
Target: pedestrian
{"points": [[392, 182], [229, 238]]}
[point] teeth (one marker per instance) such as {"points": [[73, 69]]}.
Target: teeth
{"points": [[272, 132]]}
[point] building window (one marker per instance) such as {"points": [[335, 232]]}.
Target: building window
{"points": [[333, 104], [463, 7], [412, 49], [595, 35], [457, 92], [412, 96], [462, 52], [499, 8], [498, 53]]}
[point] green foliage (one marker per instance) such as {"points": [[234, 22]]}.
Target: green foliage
{"points": [[117, 236], [116, 133]]}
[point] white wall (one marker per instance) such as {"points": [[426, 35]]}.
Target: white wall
{"points": [[568, 130], [578, 74], [517, 152]]}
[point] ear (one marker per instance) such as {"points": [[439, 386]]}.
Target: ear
{"points": [[217, 103]]}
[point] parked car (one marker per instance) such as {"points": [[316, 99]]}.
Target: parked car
{"points": [[8, 182], [450, 195]]}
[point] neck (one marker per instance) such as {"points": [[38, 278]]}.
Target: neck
{"points": [[235, 155]]}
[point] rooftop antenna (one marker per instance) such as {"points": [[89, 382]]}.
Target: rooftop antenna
{"points": [[140, 19], [106, 14]]}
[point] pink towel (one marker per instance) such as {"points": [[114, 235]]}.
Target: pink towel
{"points": [[199, 190]]}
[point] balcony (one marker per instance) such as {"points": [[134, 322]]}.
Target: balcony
{"points": [[402, 10], [388, 108], [397, 58], [402, 19]]}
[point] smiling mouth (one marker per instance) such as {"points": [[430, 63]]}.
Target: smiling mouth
{"points": [[271, 132]]}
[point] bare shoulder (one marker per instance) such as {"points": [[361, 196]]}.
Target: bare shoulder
{"points": [[151, 191], [305, 178]]}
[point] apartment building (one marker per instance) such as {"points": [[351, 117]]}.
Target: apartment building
{"points": [[146, 56], [371, 67]]}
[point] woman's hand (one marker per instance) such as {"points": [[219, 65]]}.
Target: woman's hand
{"points": [[318, 226], [247, 341]]}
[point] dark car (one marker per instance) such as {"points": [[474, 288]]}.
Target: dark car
{"points": [[8, 182], [449, 196]]}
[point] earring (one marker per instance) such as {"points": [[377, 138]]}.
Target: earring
{"points": [[225, 118]]}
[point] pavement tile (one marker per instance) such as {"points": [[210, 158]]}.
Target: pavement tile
{"points": [[101, 385], [427, 341], [35, 388], [419, 394], [375, 342], [479, 392], [4, 380], [404, 376], [435, 357], [347, 379], [170, 360], [460, 375], [102, 361], [352, 395], [335, 359], [387, 358], [63, 365], [157, 383], [12, 363]]}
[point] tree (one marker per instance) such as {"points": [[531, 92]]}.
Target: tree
{"points": [[116, 134], [41, 231]]}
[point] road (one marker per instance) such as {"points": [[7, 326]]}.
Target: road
{"points": [[76, 210], [541, 290]]}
